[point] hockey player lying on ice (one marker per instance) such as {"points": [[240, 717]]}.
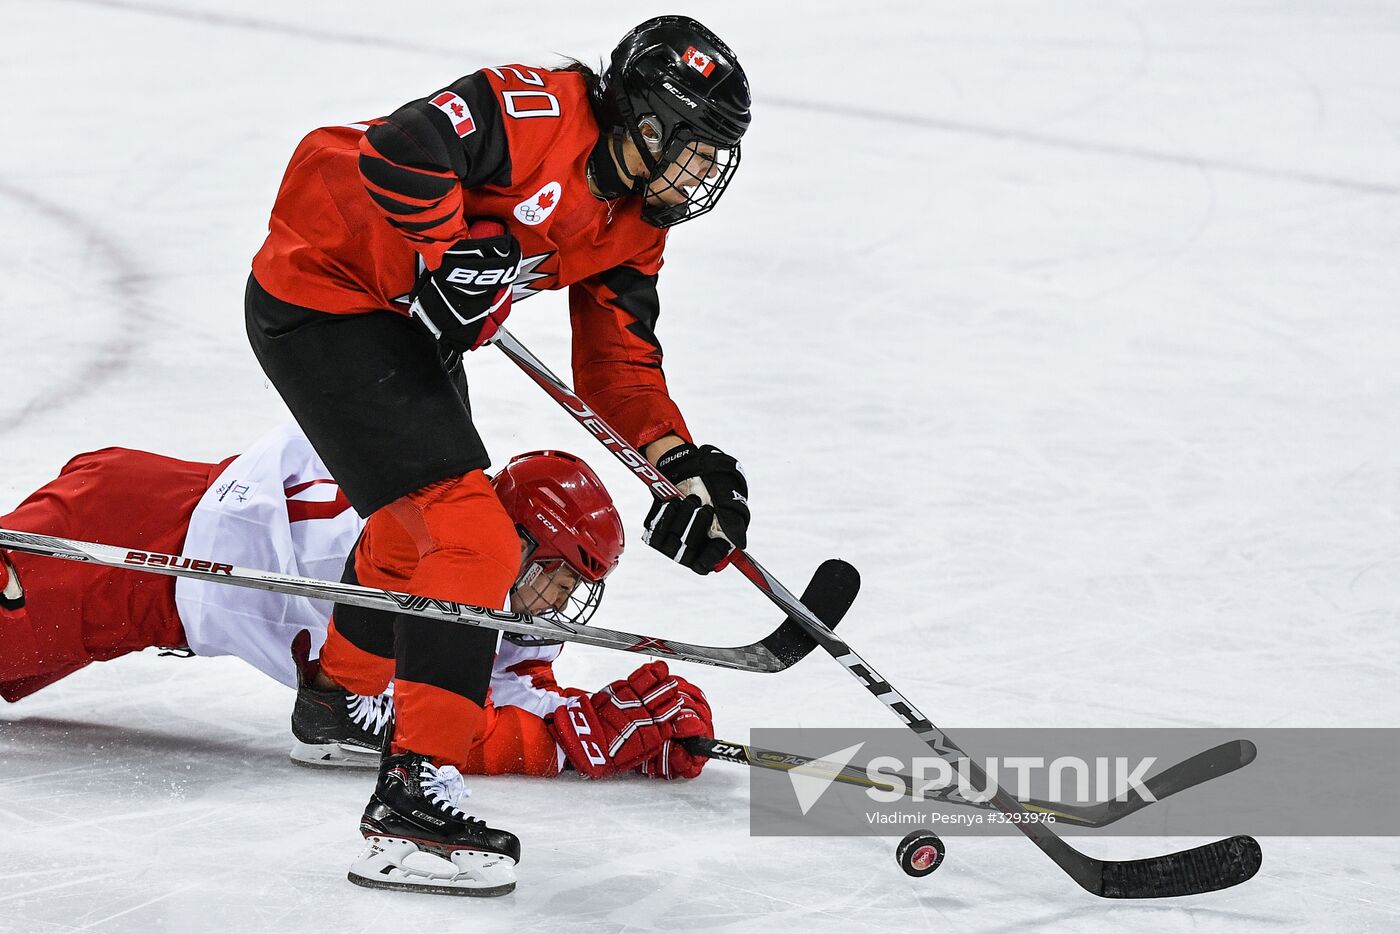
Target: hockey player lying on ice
{"points": [[276, 508]]}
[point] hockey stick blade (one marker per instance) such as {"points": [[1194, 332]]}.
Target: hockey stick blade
{"points": [[829, 595], [1207, 868], [758, 656], [1200, 768]]}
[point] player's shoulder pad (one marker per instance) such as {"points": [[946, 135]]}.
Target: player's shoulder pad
{"points": [[470, 110], [456, 130], [545, 114]]}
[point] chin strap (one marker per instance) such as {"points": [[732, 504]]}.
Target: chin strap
{"points": [[603, 169]]}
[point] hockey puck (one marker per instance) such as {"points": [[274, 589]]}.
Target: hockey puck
{"points": [[920, 853]]}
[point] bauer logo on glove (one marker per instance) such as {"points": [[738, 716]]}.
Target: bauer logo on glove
{"points": [[712, 519], [467, 298]]}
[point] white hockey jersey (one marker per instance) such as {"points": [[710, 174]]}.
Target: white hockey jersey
{"points": [[276, 508]]}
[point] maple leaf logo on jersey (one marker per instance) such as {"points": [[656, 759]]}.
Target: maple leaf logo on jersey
{"points": [[699, 61], [536, 209], [457, 111]]}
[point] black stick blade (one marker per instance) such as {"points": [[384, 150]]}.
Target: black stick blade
{"points": [[1200, 768], [1222, 759], [1207, 868], [830, 594]]}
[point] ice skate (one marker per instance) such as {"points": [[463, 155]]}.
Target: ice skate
{"points": [[334, 728], [417, 836]]}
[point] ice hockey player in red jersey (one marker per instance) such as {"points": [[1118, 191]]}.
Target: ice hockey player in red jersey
{"points": [[275, 507], [398, 244]]}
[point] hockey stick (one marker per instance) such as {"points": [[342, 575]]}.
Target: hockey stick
{"points": [[834, 585], [1205, 868], [1200, 768]]}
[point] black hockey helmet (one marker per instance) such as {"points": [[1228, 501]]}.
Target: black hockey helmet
{"points": [[678, 92]]}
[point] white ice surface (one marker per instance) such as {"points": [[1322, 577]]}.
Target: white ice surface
{"points": [[1072, 325]]}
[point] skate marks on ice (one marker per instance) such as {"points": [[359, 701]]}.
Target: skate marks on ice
{"points": [[136, 812], [1024, 137], [81, 331], [224, 20], [822, 108], [165, 800]]}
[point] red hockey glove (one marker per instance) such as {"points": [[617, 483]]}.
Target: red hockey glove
{"points": [[694, 720], [467, 298], [622, 725]]}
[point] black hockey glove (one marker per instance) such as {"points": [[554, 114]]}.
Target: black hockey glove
{"points": [[713, 518], [467, 298]]}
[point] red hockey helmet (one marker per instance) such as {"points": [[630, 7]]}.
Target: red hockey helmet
{"points": [[572, 533]]}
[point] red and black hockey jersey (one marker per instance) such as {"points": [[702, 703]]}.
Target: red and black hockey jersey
{"points": [[360, 204]]}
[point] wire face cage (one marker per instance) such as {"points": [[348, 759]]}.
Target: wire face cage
{"points": [[689, 178], [552, 589]]}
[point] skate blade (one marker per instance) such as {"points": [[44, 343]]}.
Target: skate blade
{"points": [[394, 863], [334, 756]]}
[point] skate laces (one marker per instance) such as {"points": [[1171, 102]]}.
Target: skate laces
{"points": [[371, 714], [445, 787]]}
